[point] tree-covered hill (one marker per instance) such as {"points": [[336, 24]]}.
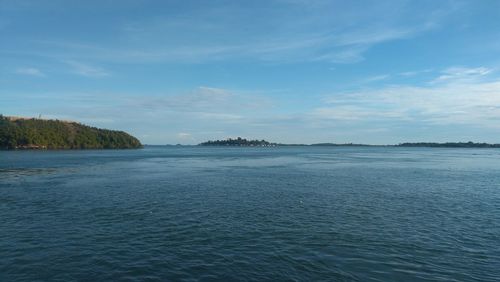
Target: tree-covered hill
{"points": [[21, 133]]}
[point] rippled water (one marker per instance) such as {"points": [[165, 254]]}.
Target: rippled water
{"points": [[291, 213]]}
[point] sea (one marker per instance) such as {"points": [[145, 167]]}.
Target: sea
{"points": [[191, 213]]}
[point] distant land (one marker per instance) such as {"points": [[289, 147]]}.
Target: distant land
{"points": [[37, 133], [469, 144], [242, 142], [31, 133]]}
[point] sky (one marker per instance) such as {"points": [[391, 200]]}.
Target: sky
{"points": [[290, 71]]}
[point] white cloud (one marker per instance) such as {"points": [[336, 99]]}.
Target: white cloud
{"points": [[414, 73], [453, 101], [30, 71], [462, 73], [184, 137], [86, 69], [219, 116], [373, 35], [355, 113], [376, 78]]}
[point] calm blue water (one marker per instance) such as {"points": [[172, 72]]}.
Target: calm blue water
{"points": [[298, 213]]}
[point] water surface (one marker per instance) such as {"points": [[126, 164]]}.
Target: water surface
{"points": [[289, 213]]}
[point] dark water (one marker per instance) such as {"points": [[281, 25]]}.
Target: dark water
{"points": [[298, 213]]}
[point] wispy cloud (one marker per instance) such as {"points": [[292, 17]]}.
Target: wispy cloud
{"points": [[206, 102], [376, 78], [184, 137], [86, 69], [455, 100], [285, 32], [339, 46], [356, 113], [414, 73], [462, 73], [30, 71]]}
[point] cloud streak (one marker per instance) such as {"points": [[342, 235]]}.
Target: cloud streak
{"points": [[86, 70], [208, 102], [30, 71], [327, 31], [462, 73]]}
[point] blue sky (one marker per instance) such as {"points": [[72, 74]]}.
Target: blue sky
{"points": [[292, 71]]}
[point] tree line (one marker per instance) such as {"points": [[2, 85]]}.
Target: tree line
{"points": [[237, 142], [55, 134], [469, 144]]}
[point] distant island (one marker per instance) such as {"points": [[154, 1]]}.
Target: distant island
{"points": [[242, 142], [239, 142], [31, 133], [469, 144]]}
